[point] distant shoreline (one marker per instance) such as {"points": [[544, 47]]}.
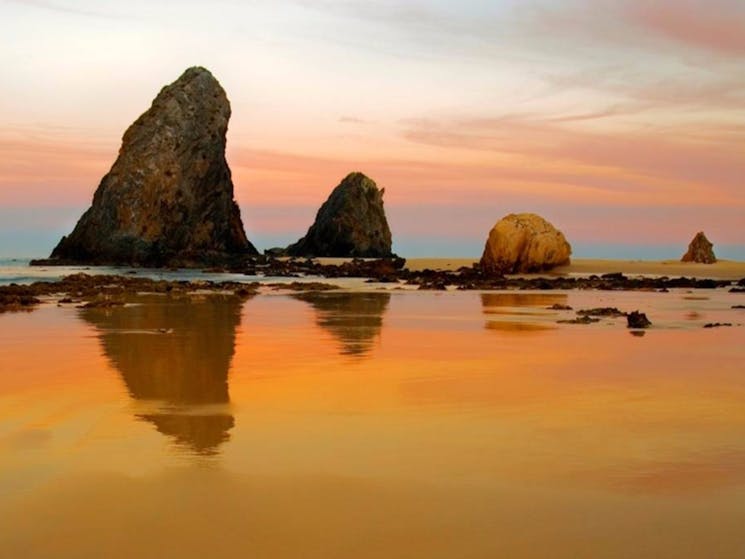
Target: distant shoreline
{"points": [[723, 269]]}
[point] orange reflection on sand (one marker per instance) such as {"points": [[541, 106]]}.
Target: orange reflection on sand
{"points": [[403, 419]]}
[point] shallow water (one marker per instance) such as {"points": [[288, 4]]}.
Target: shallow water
{"points": [[18, 271], [379, 424]]}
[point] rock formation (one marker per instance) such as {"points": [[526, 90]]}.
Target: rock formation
{"points": [[521, 243], [168, 198], [636, 319], [700, 250], [351, 223]]}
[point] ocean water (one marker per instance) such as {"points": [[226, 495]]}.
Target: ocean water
{"points": [[374, 424], [17, 270]]}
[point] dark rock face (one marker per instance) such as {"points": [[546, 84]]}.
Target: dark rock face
{"points": [[637, 319], [351, 223], [700, 250], [168, 198]]}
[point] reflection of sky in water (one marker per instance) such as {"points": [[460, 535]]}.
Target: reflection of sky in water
{"points": [[439, 437]]}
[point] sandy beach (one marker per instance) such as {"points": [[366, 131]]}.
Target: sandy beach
{"points": [[724, 269]]}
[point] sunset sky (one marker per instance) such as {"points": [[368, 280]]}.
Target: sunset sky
{"points": [[622, 122]]}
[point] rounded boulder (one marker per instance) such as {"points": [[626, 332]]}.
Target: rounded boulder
{"points": [[524, 243]]}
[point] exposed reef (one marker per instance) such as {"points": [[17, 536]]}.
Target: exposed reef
{"points": [[108, 290]]}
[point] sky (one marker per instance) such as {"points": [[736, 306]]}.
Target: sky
{"points": [[621, 122]]}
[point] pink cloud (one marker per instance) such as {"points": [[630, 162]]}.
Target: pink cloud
{"points": [[717, 25]]}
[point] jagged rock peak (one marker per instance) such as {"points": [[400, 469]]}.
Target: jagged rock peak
{"points": [[350, 223], [168, 198], [700, 250]]}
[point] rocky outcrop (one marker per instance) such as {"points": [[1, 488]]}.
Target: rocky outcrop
{"points": [[522, 243], [351, 223], [700, 250], [636, 319], [168, 198]]}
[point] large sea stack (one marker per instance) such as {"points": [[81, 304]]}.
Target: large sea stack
{"points": [[700, 250], [168, 198], [522, 243], [351, 223]]}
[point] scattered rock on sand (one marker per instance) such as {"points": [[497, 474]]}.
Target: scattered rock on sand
{"points": [[522, 243], [717, 324], [637, 319], [304, 286], [700, 250], [611, 312], [11, 302], [351, 223], [559, 307], [618, 276], [168, 198]]}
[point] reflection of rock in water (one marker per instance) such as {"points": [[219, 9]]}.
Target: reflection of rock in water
{"points": [[186, 369], [520, 299], [532, 318], [355, 319]]}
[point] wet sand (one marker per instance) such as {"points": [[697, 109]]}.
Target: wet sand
{"points": [[402, 425]]}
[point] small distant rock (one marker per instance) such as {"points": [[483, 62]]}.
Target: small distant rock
{"points": [[717, 324], [611, 312], [738, 306], [523, 243], [351, 223], [559, 307], [701, 250], [637, 319], [304, 286]]}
